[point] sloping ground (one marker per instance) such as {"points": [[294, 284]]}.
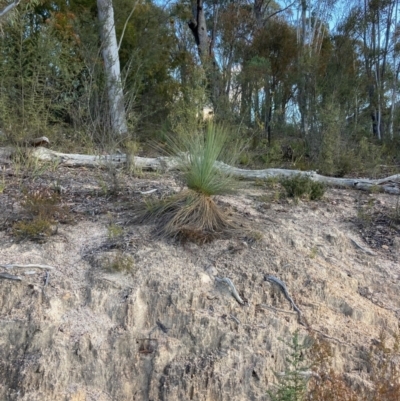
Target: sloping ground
{"points": [[167, 330]]}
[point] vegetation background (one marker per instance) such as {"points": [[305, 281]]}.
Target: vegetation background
{"points": [[308, 83]]}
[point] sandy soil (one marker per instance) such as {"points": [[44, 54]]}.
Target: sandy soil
{"points": [[93, 333]]}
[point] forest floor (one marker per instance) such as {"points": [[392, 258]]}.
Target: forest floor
{"points": [[339, 258]]}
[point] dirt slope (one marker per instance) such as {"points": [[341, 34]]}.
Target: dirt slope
{"points": [[167, 330]]}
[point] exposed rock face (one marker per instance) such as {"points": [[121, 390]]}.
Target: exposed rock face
{"points": [[168, 331]]}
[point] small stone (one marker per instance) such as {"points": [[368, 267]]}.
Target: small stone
{"points": [[385, 247]]}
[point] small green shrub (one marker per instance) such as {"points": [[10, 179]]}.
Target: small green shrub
{"points": [[317, 190], [273, 154], [301, 185], [41, 213], [114, 231], [292, 383], [37, 229], [119, 262]]}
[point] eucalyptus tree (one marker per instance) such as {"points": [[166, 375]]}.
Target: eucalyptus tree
{"points": [[112, 67]]}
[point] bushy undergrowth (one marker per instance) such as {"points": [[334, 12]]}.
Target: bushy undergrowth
{"points": [[292, 383], [42, 211], [302, 186], [308, 375]]}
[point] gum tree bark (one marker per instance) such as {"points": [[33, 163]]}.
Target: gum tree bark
{"points": [[112, 67], [205, 44]]}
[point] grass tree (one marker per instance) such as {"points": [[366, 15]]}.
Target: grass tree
{"points": [[193, 213]]}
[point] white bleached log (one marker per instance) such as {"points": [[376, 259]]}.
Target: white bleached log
{"points": [[389, 185]]}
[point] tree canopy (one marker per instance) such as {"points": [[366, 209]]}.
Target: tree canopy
{"points": [[308, 72]]}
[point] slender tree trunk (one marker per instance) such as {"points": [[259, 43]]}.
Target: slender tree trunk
{"points": [[112, 67], [204, 44], [303, 74], [396, 72]]}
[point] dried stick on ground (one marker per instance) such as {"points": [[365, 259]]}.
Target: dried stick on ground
{"points": [[232, 288], [282, 286], [6, 276], [30, 266]]}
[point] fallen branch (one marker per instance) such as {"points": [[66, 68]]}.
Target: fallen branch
{"points": [[31, 266], [282, 286], [7, 276], [389, 185], [357, 245], [232, 288]]}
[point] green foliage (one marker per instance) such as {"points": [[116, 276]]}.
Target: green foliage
{"points": [[114, 231], [37, 229], [301, 185], [42, 212], [199, 153], [119, 262], [37, 72], [292, 383], [192, 214], [148, 54], [317, 190], [273, 154], [186, 111]]}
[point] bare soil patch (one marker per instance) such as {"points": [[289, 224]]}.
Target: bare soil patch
{"points": [[166, 329]]}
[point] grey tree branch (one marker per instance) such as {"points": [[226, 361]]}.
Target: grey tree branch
{"points": [[29, 266], [232, 288], [8, 8]]}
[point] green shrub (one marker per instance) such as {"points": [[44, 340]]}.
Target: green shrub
{"points": [[292, 383], [41, 213], [37, 229], [193, 214], [119, 262], [301, 185], [317, 190]]}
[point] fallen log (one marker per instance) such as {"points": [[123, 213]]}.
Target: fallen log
{"points": [[390, 185]]}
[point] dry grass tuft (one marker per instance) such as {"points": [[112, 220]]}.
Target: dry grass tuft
{"points": [[190, 215]]}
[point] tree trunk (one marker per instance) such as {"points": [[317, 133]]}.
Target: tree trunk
{"points": [[302, 96], [112, 67], [204, 44]]}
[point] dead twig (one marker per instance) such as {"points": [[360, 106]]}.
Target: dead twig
{"points": [[29, 266], [7, 276], [281, 284], [232, 288], [367, 251]]}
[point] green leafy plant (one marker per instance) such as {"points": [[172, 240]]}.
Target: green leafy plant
{"points": [[42, 212], [301, 185], [37, 229], [292, 383], [119, 262], [193, 214]]}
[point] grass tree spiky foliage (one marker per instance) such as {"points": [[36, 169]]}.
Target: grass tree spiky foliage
{"points": [[193, 214]]}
